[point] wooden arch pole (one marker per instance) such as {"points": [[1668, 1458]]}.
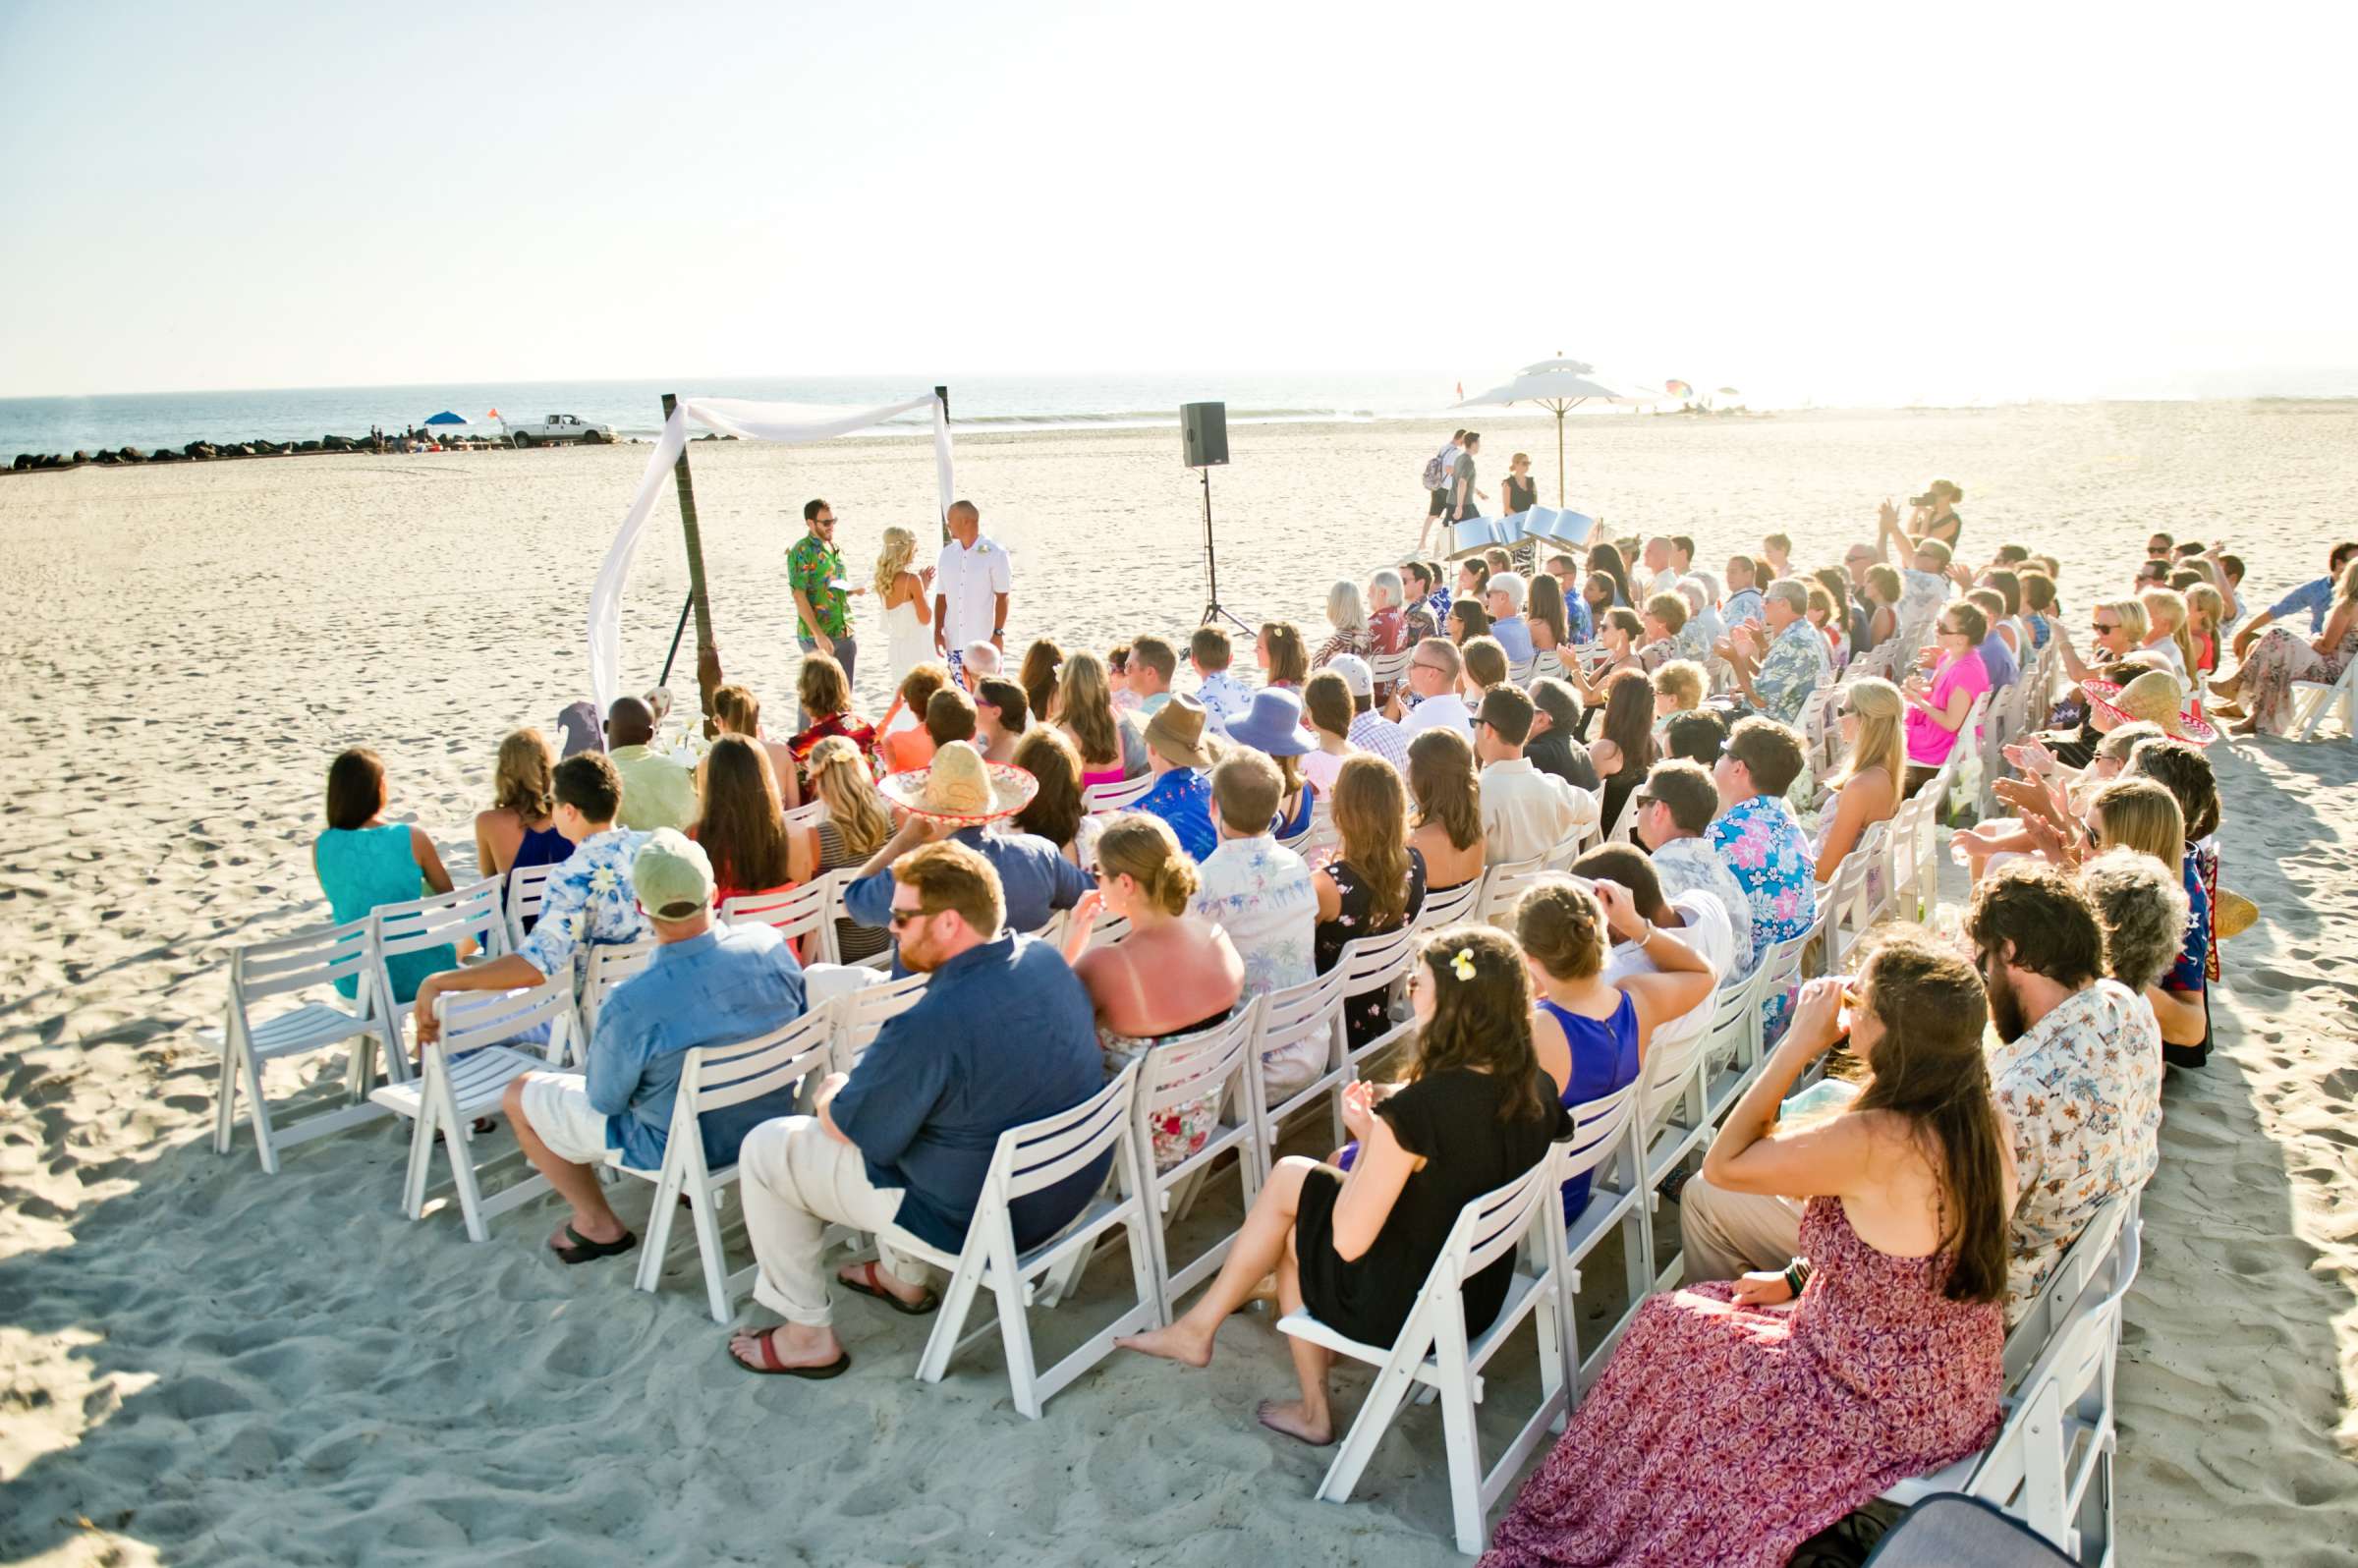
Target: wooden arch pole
{"points": [[943, 393], [708, 661]]}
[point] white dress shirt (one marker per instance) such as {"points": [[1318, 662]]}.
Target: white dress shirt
{"points": [[967, 582], [1705, 929], [1526, 814], [1435, 712]]}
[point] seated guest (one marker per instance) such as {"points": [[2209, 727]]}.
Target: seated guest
{"points": [[1703, 626], [1374, 885], [1665, 632], [1679, 687], [1937, 709], [1556, 626], [1279, 652], [1447, 794], [1698, 918], [1553, 746], [517, 831], [1371, 731], [1427, 602], [737, 711], [976, 663], [1997, 657], [588, 900], [1117, 678], [1824, 614], [1743, 601], [1867, 786], [2317, 597], [1044, 662], [1778, 666], [1475, 1114], [2038, 606], [1056, 811], [1175, 974], [741, 831], [656, 792], [1525, 812], [1485, 667], [2142, 906], [1617, 630], [1881, 594], [1003, 713], [1624, 750], [1504, 601], [2185, 1007], [1273, 726], [1221, 692], [1467, 620], [1590, 1033], [855, 826], [1387, 622], [1597, 598], [1899, 1332], [1181, 795], [826, 696], [1473, 582], [1607, 558], [904, 741], [1924, 581], [2166, 632], [706, 984], [1001, 1035], [1676, 811], [1757, 835], [950, 715], [1260, 893], [1347, 614], [1086, 716], [1434, 672], [2263, 680], [1153, 663], [957, 800], [1696, 736], [363, 862], [1326, 703]]}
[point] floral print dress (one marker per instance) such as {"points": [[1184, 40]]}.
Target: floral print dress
{"points": [[1368, 1014], [2282, 659], [1729, 1435]]}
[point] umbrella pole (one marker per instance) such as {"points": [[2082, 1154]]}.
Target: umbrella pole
{"points": [[697, 599], [1560, 460]]}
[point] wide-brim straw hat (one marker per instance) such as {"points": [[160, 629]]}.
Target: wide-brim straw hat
{"points": [[958, 786], [2154, 698]]}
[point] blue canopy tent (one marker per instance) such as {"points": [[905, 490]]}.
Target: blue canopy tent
{"points": [[446, 417]]}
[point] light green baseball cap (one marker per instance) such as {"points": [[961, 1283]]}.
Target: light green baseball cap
{"points": [[672, 875]]}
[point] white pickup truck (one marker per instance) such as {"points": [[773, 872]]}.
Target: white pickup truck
{"points": [[556, 430]]}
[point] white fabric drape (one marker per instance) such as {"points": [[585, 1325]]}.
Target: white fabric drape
{"points": [[791, 424]]}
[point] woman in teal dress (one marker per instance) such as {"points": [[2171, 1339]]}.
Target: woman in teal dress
{"points": [[362, 862]]}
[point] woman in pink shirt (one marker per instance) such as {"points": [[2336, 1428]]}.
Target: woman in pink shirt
{"points": [[1937, 715]]}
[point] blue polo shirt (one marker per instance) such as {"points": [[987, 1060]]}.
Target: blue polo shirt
{"points": [[1035, 879], [732, 983], [1003, 1035], [2316, 597], [1514, 635]]}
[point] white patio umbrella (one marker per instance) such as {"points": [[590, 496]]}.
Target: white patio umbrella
{"points": [[1560, 384]]}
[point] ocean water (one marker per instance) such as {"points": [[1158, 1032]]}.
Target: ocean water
{"points": [[150, 419]]}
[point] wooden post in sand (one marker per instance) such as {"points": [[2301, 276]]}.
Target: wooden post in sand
{"points": [[943, 393], [696, 569]]}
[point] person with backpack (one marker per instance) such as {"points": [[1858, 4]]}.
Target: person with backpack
{"points": [[1439, 471]]}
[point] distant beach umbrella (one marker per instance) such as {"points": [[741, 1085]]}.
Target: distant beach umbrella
{"points": [[1678, 389], [446, 417], [1562, 385]]}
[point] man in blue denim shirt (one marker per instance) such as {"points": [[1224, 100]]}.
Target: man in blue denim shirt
{"points": [[703, 987], [1004, 1035], [1035, 879]]}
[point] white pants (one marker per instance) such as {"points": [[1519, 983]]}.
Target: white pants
{"points": [[557, 1104], [1726, 1234], [796, 1179]]}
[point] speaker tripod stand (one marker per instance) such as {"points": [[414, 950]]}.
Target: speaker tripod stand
{"points": [[1213, 610]]}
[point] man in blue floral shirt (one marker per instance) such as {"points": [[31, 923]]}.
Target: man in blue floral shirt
{"points": [[588, 901], [1778, 674], [1757, 835], [1182, 795]]}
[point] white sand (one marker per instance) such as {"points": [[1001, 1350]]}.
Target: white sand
{"points": [[203, 1364]]}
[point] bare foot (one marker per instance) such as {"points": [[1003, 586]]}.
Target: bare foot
{"points": [[1293, 1417], [1178, 1343], [2248, 728], [792, 1344]]}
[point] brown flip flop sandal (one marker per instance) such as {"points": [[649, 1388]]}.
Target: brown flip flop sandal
{"points": [[767, 1343], [918, 1309]]}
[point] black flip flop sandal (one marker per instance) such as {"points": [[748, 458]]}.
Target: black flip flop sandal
{"points": [[769, 1343], [918, 1309], [585, 1251]]}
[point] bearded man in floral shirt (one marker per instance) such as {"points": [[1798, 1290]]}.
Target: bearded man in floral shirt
{"points": [[588, 901]]}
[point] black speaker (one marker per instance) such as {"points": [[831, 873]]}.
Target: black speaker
{"points": [[1203, 434]]}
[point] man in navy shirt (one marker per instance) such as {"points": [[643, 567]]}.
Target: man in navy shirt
{"points": [[1035, 879], [1004, 1035]]}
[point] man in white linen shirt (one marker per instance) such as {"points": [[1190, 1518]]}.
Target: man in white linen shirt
{"points": [[1675, 808], [1698, 917], [1434, 668], [1525, 812], [972, 579]]}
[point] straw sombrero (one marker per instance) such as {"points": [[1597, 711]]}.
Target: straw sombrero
{"points": [[2154, 698], [960, 787]]}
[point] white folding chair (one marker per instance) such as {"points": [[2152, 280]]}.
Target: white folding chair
{"points": [[528, 885], [1028, 1159], [1780, 968], [1813, 724], [1452, 906], [1504, 884], [810, 816], [860, 1016], [1549, 663], [1432, 1350], [311, 959], [1296, 1015], [1603, 1147], [1386, 670], [440, 920], [604, 965], [1731, 1044], [714, 1077], [1104, 799], [1848, 909], [1520, 675], [467, 1071], [1209, 1064], [2044, 1316], [1378, 964], [2314, 702], [800, 914]]}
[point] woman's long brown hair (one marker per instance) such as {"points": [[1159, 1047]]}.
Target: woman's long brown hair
{"points": [[1370, 815], [1483, 1023], [1441, 778], [742, 830]]}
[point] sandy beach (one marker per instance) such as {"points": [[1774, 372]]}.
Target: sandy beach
{"points": [[207, 1364]]}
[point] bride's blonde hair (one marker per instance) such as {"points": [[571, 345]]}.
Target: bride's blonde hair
{"points": [[900, 548]]}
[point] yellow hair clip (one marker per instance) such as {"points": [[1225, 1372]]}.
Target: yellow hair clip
{"points": [[1463, 964]]}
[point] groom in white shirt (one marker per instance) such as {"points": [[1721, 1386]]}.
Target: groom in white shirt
{"points": [[972, 582]]}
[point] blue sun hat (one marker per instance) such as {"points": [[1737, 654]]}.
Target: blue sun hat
{"points": [[1272, 725]]}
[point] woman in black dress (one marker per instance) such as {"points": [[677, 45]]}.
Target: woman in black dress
{"points": [[1373, 887], [1475, 1114], [1522, 490]]}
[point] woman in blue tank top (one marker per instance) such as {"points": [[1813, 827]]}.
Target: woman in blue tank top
{"points": [[362, 862], [1590, 1037]]}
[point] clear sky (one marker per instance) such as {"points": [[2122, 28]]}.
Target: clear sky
{"points": [[1891, 202]]}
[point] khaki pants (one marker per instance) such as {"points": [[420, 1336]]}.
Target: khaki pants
{"points": [[796, 1179], [1726, 1234]]}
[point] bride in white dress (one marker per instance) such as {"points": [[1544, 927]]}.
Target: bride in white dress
{"points": [[908, 617]]}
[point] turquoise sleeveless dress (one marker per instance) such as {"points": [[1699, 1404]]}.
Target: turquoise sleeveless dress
{"points": [[361, 867]]}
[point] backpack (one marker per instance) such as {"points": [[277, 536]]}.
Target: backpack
{"points": [[1437, 471]]}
